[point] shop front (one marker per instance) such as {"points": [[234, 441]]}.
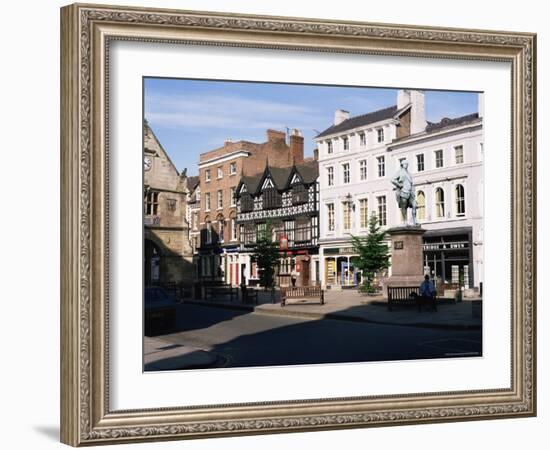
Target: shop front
{"points": [[298, 265], [448, 256], [340, 269]]}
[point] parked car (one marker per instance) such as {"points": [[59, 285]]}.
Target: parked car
{"points": [[160, 312]]}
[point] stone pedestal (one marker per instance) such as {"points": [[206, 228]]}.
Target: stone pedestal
{"points": [[407, 266]]}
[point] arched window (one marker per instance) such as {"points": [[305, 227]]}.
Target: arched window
{"points": [[439, 203], [460, 203], [420, 205]]}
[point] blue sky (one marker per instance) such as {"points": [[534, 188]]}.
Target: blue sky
{"points": [[193, 116]]}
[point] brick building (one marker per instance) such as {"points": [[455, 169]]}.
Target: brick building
{"points": [[167, 253], [220, 171]]}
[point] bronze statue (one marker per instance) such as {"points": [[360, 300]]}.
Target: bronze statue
{"points": [[404, 192]]}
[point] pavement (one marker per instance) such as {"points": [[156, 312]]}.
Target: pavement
{"points": [[349, 304]]}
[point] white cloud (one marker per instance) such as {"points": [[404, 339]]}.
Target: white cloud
{"points": [[226, 111]]}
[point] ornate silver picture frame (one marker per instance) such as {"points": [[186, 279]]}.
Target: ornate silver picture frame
{"points": [[87, 32]]}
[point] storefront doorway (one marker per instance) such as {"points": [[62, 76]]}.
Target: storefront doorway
{"points": [[304, 272], [340, 271]]}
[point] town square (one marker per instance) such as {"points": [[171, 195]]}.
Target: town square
{"points": [[353, 239]]}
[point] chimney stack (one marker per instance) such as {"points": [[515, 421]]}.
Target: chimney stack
{"points": [[403, 98], [275, 135], [340, 115], [418, 109], [297, 146]]}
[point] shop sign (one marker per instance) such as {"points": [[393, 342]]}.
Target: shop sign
{"points": [[446, 246]]}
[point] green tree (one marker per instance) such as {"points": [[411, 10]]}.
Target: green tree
{"points": [[265, 254], [372, 251]]}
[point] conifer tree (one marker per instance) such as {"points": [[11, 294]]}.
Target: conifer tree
{"points": [[373, 254], [265, 254]]}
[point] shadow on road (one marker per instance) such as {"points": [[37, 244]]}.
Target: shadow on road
{"points": [[191, 317], [245, 339]]}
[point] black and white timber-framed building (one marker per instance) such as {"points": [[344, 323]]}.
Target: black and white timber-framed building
{"points": [[288, 200]]}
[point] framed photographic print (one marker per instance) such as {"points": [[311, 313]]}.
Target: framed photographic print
{"points": [[276, 224]]}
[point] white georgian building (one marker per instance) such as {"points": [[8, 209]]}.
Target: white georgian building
{"points": [[357, 158]]}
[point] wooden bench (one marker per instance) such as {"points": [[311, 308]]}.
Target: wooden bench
{"points": [[408, 296], [304, 292]]}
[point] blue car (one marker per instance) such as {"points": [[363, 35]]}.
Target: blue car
{"points": [[160, 312]]}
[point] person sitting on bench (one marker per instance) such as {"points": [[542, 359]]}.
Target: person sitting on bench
{"points": [[427, 293]]}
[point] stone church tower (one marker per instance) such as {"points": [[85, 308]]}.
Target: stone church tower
{"points": [[167, 251]]}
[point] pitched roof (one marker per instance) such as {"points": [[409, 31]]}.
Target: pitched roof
{"points": [[192, 182], [251, 182], [446, 122], [309, 172], [358, 121]]}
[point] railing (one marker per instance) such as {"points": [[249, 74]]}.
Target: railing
{"points": [[177, 290]]}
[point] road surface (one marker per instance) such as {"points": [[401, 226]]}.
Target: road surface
{"points": [[248, 339]]}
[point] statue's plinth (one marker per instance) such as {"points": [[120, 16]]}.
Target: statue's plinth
{"points": [[407, 266]]}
